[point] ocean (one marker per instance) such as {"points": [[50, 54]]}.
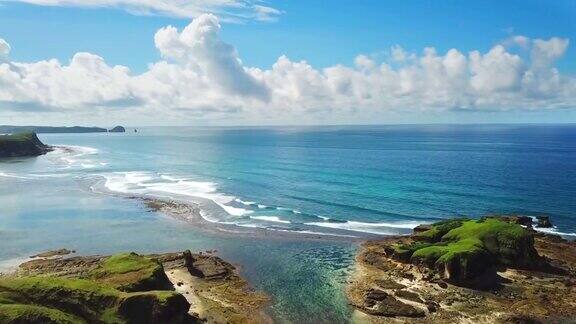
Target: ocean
{"points": [[344, 182]]}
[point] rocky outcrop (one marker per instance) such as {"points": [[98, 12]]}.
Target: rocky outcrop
{"points": [[117, 129], [21, 145], [544, 221], [491, 270], [179, 287]]}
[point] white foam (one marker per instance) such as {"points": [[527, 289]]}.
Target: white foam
{"points": [[76, 156], [549, 230], [553, 230], [270, 219], [313, 232], [247, 203], [372, 228], [162, 185], [9, 175], [262, 206]]}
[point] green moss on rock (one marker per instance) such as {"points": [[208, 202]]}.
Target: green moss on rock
{"points": [[132, 272], [438, 230], [31, 314], [469, 249], [25, 144], [97, 300]]}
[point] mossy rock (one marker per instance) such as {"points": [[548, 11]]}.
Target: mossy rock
{"points": [[24, 144], [439, 229], [469, 250], [32, 314], [60, 300], [132, 272]]}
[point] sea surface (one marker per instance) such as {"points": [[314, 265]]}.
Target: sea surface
{"points": [[330, 181]]}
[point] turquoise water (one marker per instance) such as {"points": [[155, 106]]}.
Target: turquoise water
{"points": [[345, 181]]}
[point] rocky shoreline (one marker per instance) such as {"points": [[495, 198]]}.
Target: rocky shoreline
{"points": [[181, 287], [511, 274]]}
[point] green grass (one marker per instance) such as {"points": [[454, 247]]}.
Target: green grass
{"points": [[132, 272], [469, 248], [21, 137], [20, 313], [94, 300], [82, 298], [127, 262], [439, 229]]}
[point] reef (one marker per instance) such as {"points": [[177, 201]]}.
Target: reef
{"points": [[496, 269]]}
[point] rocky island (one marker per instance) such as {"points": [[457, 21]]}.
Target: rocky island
{"points": [[129, 288], [117, 129], [491, 270], [20, 145]]}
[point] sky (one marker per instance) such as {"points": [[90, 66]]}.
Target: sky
{"points": [[251, 62]]}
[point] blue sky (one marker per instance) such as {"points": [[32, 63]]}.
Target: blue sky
{"points": [[323, 33]]}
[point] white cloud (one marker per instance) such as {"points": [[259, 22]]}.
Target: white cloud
{"points": [[229, 10], [4, 49], [202, 77]]}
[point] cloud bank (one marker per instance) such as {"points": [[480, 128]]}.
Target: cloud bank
{"points": [[202, 77]]}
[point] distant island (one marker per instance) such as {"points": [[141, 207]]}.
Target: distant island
{"points": [[118, 129], [19, 145], [8, 129]]}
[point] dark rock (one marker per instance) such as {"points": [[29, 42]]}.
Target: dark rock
{"points": [[380, 303], [544, 221], [148, 308], [389, 284], [117, 129], [406, 294], [422, 228], [50, 254], [377, 295], [20, 145], [207, 266], [432, 306]]}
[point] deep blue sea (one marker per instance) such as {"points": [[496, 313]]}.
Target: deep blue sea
{"points": [[346, 181]]}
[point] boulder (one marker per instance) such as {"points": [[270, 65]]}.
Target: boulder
{"points": [[379, 303], [544, 221]]}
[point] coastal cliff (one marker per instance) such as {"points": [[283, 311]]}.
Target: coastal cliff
{"points": [[19, 145], [129, 288], [492, 270]]}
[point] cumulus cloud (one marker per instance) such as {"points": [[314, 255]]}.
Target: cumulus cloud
{"points": [[201, 76], [230, 10], [4, 49]]}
